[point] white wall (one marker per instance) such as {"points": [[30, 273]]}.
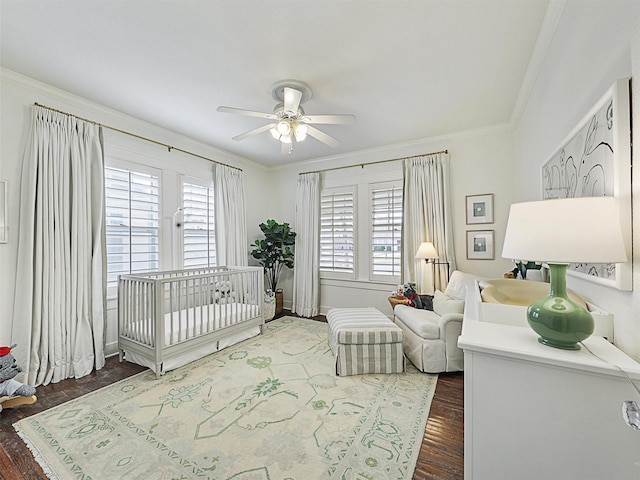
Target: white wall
{"points": [[481, 162], [18, 94], [594, 44]]}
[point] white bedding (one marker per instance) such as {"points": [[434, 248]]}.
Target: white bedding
{"points": [[190, 322], [182, 325]]}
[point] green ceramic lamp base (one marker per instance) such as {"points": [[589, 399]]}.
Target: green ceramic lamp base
{"points": [[560, 322]]}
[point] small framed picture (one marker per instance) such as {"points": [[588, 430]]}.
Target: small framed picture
{"points": [[479, 209], [480, 245]]}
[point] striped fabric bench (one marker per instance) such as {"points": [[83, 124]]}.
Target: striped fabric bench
{"points": [[363, 340]]}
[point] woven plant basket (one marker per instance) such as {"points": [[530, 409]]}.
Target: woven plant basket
{"points": [[269, 310]]}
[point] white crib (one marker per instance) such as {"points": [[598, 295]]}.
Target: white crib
{"points": [[168, 319]]}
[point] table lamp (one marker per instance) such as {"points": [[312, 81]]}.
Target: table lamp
{"points": [[560, 232]]}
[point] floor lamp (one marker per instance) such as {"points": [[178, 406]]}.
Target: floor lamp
{"points": [[427, 251]]}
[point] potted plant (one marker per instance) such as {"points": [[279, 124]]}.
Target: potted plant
{"points": [[273, 253]]}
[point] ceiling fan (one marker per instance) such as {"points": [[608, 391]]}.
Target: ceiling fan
{"points": [[290, 124]]}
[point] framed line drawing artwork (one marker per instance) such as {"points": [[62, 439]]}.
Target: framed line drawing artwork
{"points": [[480, 245], [595, 160], [479, 209]]}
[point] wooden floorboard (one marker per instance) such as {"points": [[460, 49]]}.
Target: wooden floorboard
{"points": [[441, 454]]}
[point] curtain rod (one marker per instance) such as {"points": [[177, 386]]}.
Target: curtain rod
{"points": [[168, 147], [373, 163]]}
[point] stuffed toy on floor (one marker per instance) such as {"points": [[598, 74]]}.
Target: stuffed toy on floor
{"points": [[12, 392]]}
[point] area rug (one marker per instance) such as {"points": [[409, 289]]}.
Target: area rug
{"points": [[269, 408]]}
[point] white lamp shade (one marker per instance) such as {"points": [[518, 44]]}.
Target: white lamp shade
{"points": [[284, 127], [568, 230], [427, 251], [300, 131]]}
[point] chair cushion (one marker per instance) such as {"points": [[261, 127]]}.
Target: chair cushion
{"points": [[443, 304], [423, 323]]}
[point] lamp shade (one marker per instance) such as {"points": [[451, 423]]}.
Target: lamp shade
{"points": [[426, 251], [568, 230]]}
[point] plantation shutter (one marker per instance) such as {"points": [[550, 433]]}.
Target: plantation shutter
{"points": [[337, 213], [132, 222], [386, 229], [199, 226]]}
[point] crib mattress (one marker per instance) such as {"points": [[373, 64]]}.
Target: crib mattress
{"points": [[181, 325]]}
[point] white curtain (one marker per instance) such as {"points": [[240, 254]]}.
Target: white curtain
{"points": [[306, 271], [427, 218], [231, 224], [59, 313]]}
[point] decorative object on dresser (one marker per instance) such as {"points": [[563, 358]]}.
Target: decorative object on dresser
{"points": [[560, 232], [431, 336]]}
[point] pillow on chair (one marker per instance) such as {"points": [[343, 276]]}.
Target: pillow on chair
{"points": [[457, 286], [443, 304], [426, 302]]}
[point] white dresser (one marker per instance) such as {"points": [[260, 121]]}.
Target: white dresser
{"points": [[536, 412]]}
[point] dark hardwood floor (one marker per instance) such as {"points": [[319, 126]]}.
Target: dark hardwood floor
{"points": [[441, 454]]}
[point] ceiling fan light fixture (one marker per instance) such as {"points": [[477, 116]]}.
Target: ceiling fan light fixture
{"points": [[285, 138], [290, 124], [284, 127], [300, 131]]}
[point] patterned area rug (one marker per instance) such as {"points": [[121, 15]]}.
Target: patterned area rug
{"points": [[269, 408]]}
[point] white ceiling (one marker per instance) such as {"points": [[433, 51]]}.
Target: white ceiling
{"points": [[408, 69]]}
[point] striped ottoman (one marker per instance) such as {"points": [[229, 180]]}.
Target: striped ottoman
{"points": [[363, 340]]}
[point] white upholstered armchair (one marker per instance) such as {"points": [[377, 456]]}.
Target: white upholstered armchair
{"points": [[431, 336]]}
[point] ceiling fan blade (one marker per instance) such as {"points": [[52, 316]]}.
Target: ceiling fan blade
{"points": [[249, 113], [255, 131], [292, 99], [330, 119], [323, 137]]}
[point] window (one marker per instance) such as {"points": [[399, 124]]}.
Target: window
{"points": [[199, 226], [337, 213], [386, 229], [132, 222]]}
